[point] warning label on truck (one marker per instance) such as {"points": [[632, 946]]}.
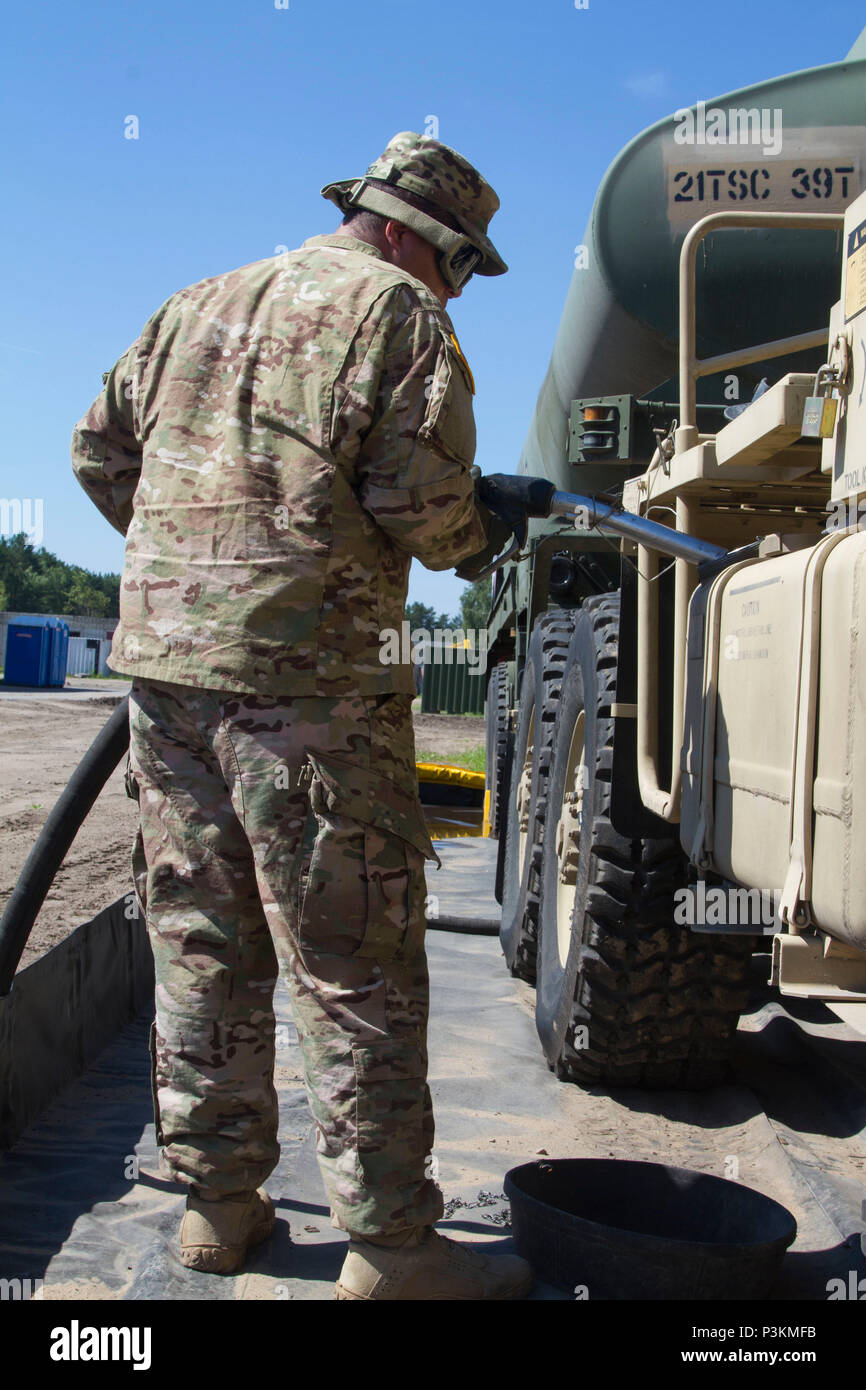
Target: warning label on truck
{"points": [[855, 273]]}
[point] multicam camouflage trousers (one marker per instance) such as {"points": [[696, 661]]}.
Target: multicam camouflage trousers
{"points": [[225, 783]]}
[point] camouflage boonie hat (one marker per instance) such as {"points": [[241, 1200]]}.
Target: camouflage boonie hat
{"points": [[436, 173]]}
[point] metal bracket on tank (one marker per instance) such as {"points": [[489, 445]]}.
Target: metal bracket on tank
{"points": [[814, 966]]}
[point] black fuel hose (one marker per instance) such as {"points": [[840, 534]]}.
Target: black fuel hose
{"points": [[464, 926], [58, 832]]}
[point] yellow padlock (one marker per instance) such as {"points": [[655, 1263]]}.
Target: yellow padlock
{"points": [[828, 417]]}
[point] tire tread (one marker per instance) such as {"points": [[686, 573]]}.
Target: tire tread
{"points": [[660, 1003]]}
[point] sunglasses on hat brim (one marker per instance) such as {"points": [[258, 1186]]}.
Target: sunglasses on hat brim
{"points": [[458, 257], [458, 264]]}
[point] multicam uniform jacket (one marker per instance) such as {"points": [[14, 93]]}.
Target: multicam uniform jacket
{"points": [[276, 446]]}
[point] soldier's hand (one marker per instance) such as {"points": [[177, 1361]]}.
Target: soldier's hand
{"points": [[514, 498], [498, 534], [505, 502]]}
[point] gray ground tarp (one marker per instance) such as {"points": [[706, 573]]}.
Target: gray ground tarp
{"points": [[66, 1007]]}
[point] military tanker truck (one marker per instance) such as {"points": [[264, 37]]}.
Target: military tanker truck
{"points": [[676, 728]]}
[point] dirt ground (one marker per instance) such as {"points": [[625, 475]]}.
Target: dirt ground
{"points": [[41, 742]]}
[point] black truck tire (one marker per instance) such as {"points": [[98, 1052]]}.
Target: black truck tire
{"points": [[522, 821], [625, 996], [496, 718]]}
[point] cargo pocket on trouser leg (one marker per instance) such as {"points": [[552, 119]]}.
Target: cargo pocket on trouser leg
{"points": [[129, 780], [365, 886], [139, 872], [394, 1129], [154, 1091], [138, 861]]}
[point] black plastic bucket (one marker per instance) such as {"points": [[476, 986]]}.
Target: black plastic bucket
{"points": [[620, 1230]]}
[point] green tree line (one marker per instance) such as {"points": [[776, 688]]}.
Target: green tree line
{"points": [[474, 607], [35, 581]]}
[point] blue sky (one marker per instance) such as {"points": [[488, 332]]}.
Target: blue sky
{"points": [[245, 110]]}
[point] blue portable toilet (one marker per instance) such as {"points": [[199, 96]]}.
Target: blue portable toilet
{"points": [[28, 651], [59, 652]]}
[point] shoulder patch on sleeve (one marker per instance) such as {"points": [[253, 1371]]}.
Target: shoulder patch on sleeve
{"points": [[449, 421], [458, 349]]}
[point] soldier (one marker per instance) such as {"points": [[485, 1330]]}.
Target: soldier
{"points": [[276, 446]]}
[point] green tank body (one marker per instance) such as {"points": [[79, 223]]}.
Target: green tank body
{"points": [[618, 329]]}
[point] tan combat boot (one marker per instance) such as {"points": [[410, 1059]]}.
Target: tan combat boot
{"points": [[216, 1234], [430, 1266]]}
